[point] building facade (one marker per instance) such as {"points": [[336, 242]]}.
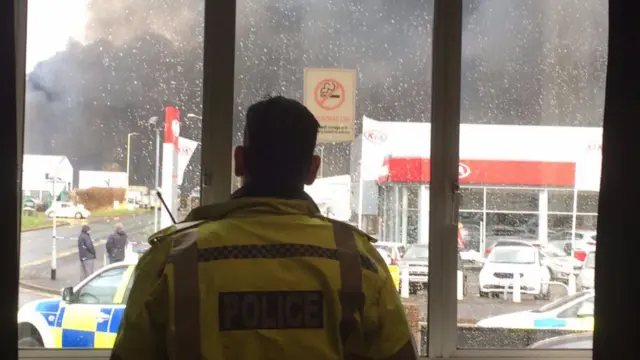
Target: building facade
{"points": [[515, 180]]}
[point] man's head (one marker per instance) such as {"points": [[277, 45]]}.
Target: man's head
{"points": [[119, 227], [278, 148]]}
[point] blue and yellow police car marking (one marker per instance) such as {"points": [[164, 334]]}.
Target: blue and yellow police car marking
{"points": [[49, 310], [81, 326], [550, 323]]}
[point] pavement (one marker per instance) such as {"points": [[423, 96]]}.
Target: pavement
{"points": [[474, 308], [35, 246]]}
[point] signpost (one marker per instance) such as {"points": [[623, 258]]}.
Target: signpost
{"points": [[330, 94]]}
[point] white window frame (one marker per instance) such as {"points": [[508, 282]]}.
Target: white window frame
{"points": [[217, 141]]}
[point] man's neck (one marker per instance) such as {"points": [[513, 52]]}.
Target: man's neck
{"points": [[282, 192]]}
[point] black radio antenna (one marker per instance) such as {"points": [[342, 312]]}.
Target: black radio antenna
{"points": [[165, 206]]}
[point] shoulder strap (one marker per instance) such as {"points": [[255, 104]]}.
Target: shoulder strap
{"points": [[351, 295]]}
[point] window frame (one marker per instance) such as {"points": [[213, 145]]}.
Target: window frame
{"points": [[216, 181]]}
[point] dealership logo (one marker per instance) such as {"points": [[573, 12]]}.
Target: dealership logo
{"points": [[375, 136], [463, 171]]}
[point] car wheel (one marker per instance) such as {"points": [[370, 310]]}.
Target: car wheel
{"points": [[29, 342], [482, 293], [78, 216]]}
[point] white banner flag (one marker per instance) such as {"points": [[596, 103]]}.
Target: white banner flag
{"points": [[186, 148]]}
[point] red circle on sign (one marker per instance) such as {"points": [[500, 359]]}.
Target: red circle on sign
{"points": [[323, 96]]}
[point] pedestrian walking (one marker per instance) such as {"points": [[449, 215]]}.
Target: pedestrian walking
{"points": [[116, 244], [86, 252]]}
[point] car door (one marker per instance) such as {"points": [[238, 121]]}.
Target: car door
{"points": [[64, 210], [92, 317], [579, 317]]}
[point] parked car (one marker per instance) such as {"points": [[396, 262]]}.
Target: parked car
{"points": [[585, 242], [394, 251], [498, 271], [98, 302], [581, 340], [587, 276], [67, 210], [494, 241], [572, 312], [560, 264], [416, 261]]}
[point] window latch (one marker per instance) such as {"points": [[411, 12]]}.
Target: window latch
{"points": [[455, 202]]}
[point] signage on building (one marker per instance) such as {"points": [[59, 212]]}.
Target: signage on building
{"points": [[463, 170], [375, 136], [330, 94]]}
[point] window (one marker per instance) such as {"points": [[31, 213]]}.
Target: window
{"points": [[471, 199], [526, 65], [106, 87], [388, 47], [532, 85], [560, 201], [102, 289], [512, 200]]}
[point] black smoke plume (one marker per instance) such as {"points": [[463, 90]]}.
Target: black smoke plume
{"points": [[524, 62]]}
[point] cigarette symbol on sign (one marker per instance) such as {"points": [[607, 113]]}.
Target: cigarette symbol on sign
{"points": [[328, 90]]}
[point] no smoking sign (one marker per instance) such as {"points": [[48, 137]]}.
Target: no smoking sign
{"points": [[330, 94]]}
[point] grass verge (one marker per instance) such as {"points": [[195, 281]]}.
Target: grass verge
{"points": [[118, 212]]}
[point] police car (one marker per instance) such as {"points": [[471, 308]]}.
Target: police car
{"points": [[573, 312], [86, 316]]}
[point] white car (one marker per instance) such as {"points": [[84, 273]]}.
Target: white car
{"points": [[573, 312], [65, 209], [416, 262], [587, 276], [394, 251], [498, 271], [87, 315]]}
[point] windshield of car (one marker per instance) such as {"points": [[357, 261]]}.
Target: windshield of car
{"points": [[512, 255], [385, 248], [417, 252], [552, 251], [560, 302], [590, 262]]}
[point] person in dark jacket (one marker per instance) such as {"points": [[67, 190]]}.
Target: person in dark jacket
{"points": [[116, 244], [87, 252]]}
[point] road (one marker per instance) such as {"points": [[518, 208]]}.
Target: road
{"points": [[35, 246]]}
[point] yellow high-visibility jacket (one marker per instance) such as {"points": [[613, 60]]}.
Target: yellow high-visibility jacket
{"points": [[262, 278]]}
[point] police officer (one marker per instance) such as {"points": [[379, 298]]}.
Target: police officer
{"points": [[265, 275]]}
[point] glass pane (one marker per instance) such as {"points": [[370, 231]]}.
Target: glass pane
{"points": [[105, 82], [388, 45], [533, 84], [588, 202], [560, 201], [512, 200], [471, 199]]}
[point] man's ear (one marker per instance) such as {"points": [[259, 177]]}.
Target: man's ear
{"points": [[313, 171], [238, 158]]}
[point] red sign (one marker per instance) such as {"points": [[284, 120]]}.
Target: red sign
{"points": [[329, 94], [375, 136], [486, 172], [171, 126]]}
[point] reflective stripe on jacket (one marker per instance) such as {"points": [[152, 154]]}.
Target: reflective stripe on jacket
{"points": [[266, 279]]}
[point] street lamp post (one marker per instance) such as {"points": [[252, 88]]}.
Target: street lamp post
{"points": [[129, 152], [154, 122], [54, 234]]}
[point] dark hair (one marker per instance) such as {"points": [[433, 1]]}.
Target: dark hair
{"points": [[279, 138]]}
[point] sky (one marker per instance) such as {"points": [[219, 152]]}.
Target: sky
{"points": [[50, 24]]}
